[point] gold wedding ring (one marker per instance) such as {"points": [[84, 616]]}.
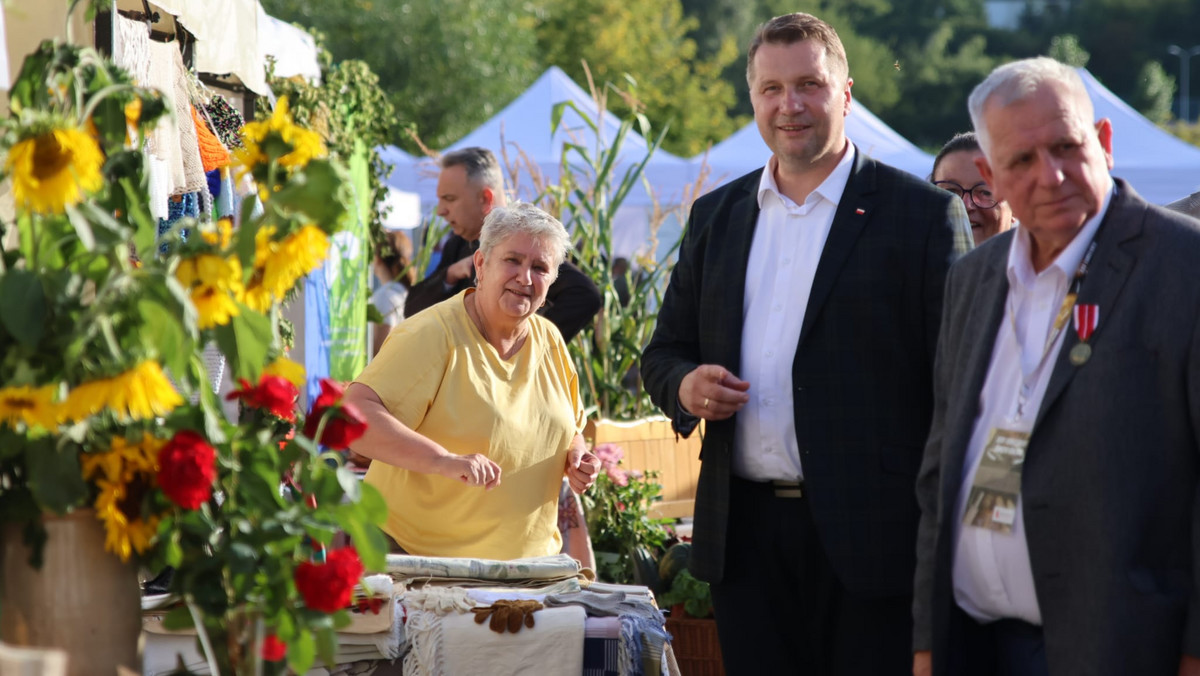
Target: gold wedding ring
{"points": [[705, 403]]}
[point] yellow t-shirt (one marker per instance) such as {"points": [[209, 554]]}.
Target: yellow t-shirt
{"points": [[437, 375]]}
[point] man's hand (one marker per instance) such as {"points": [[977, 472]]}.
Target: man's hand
{"points": [[582, 466], [713, 393], [1189, 666], [473, 470], [922, 663], [463, 269]]}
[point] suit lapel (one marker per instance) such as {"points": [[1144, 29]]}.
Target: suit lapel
{"points": [[848, 223], [743, 219], [1109, 272], [987, 307]]}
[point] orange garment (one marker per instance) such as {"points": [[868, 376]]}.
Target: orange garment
{"points": [[212, 153]]}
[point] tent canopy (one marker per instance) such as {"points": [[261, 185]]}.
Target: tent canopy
{"points": [[745, 150], [1159, 166], [521, 135]]}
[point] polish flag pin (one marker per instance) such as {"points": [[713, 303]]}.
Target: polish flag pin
{"points": [[860, 212]]}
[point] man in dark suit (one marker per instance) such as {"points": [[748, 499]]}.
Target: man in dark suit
{"points": [[800, 323], [469, 186], [1059, 504]]}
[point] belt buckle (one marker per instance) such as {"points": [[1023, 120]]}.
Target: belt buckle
{"points": [[788, 489]]}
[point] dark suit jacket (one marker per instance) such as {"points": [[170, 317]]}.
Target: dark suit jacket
{"points": [[1109, 487], [862, 371], [571, 302]]}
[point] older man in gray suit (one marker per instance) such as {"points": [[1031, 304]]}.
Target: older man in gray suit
{"points": [[1060, 527]]}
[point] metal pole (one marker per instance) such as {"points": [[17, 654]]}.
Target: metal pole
{"points": [[1185, 57]]}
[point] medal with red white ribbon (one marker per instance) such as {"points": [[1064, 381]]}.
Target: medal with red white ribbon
{"points": [[1087, 318]]}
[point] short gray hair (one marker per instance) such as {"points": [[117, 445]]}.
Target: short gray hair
{"points": [[1014, 81], [522, 217], [482, 169]]}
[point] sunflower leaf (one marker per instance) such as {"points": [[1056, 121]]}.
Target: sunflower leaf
{"points": [[22, 306], [82, 228], [55, 478]]}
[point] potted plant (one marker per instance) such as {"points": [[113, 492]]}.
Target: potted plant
{"points": [[625, 536], [690, 623], [114, 450]]}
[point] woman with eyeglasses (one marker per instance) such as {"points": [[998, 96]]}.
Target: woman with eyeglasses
{"points": [[954, 170]]}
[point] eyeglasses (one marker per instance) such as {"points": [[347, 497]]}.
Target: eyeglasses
{"points": [[980, 195]]}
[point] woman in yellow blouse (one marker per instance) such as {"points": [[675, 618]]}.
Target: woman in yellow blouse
{"points": [[473, 407]]}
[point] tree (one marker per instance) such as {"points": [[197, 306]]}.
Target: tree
{"points": [[447, 66], [1066, 48], [646, 41], [936, 82], [1155, 92]]}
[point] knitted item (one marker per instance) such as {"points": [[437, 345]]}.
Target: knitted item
{"points": [[212, 153], [134, 52], [226, 120], [185, 206], [189, 143]]}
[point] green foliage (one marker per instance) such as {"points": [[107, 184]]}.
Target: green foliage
{"points": [[446, 66], [937, 79], [646, 42], [1155, 93], [1185, 131], [592, 189], [617, 509], [350, 111], [694, 595], [1066, 49]]}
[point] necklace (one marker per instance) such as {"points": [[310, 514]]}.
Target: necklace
{"points": [[477, 317]]}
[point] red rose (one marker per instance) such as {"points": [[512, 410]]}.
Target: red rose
{"points": [[275, 394], [328, 587], [273, 649], [187, 466], [345, 423]]}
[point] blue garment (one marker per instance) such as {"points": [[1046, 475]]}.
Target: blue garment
{"points": [[187, 206]]}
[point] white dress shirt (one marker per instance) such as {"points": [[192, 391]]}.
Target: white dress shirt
{"points": [[993, 578], [787, 246]]}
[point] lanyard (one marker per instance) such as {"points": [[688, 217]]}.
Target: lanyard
{"points": [[1060, 322]]}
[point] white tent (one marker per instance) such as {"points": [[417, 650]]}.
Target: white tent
{"points": [[1159, 166], [522, 135], [746, 151]]}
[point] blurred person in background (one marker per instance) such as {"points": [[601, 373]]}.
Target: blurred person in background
{"points": [[955, 169]]}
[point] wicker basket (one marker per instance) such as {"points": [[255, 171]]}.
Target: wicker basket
{"points": [[695, 645]]}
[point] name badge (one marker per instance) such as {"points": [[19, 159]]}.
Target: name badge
{"points": [[992, 502]]}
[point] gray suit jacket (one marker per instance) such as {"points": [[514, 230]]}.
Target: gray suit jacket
{"points": [[1109, 488]]}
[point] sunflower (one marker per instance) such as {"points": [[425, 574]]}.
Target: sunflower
{"points": [[219, 236], [55, 169], [286, 368], [215, 283], [278, 265], [305, 144], [126, 472], [140, 393], [119, 508], [33, 406]]}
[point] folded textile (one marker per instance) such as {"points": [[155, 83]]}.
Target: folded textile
{"points": [[554, 646], [538, 568], [602, 627]]}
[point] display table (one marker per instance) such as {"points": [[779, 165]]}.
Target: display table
{"points": [[428, 624]]}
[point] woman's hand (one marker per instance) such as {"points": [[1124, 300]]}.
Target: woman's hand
{"points": [[473, 470], [582, 466]]}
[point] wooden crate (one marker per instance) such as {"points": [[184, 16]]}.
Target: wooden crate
{"points": [[649, 444], [695, 645]]}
